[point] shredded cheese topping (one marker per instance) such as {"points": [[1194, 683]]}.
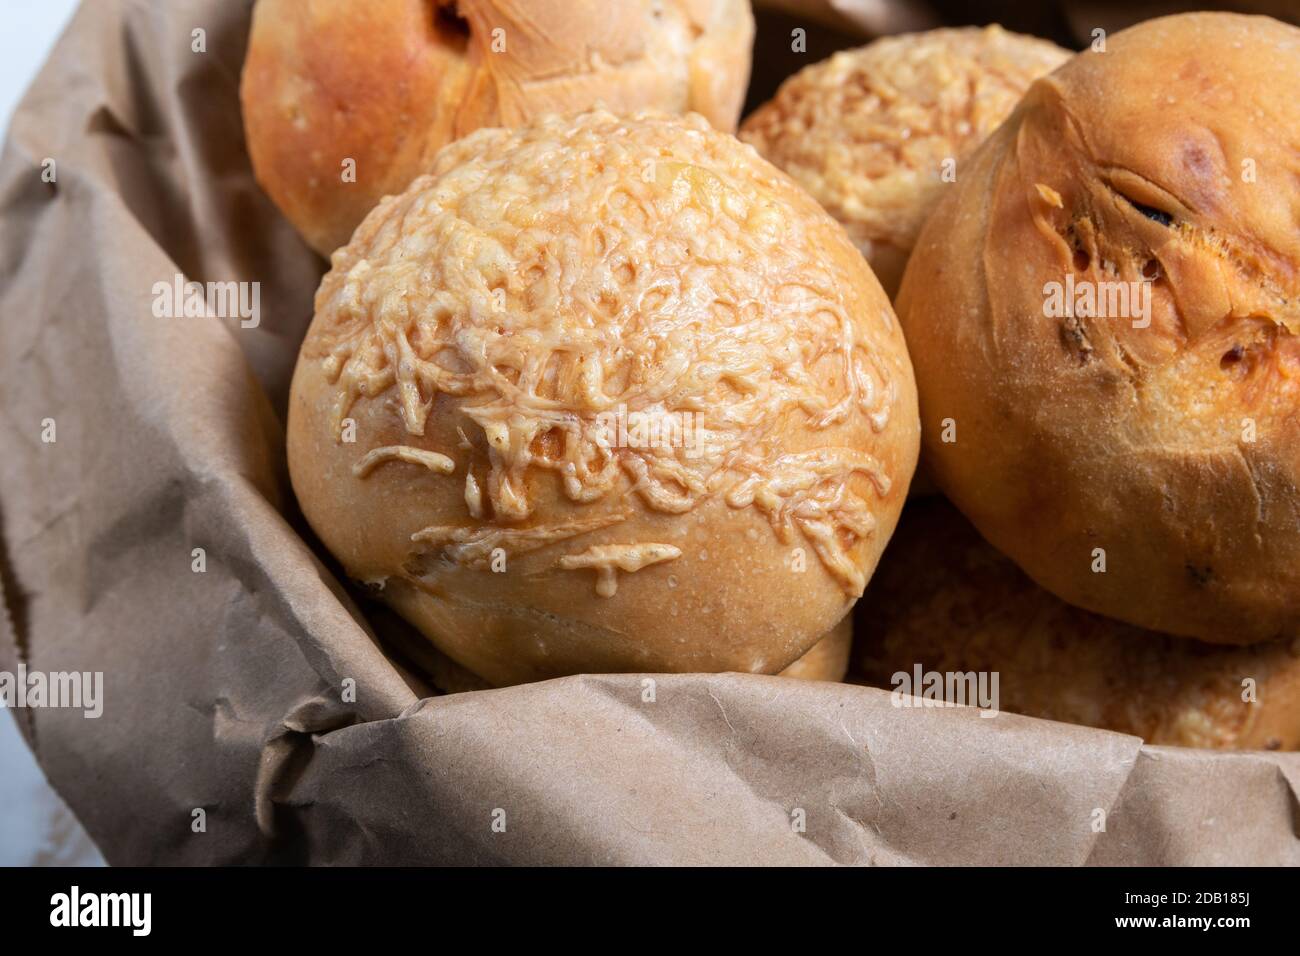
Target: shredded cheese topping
{"points": [[608, 559], [416, 456], [868, 131], [552, 276], [473, 547]]}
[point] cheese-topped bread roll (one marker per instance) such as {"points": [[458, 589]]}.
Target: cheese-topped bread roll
{"points": [[605, 394], [876, 134]]}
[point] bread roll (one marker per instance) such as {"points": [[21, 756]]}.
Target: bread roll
{"points": [[868, 131], [623, 398], [1143, 463], [387, 83], [828, 661], [945, 599], [829, 658]]}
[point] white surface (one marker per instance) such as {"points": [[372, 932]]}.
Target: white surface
{"points": [[35, 826], [28, 28]]}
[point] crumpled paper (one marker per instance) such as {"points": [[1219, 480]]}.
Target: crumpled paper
{"points": [[255, 712]]}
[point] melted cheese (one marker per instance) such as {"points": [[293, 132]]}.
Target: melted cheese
{"points": [[608, 559], [551, 275], [432, 460], [472, 547]]}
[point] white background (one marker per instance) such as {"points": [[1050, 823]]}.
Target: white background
{"points": [[35, 826]]}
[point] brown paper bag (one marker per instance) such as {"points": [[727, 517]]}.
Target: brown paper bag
{"points": [[251, 713]]}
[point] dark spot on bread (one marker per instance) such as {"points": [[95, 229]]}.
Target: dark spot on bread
{"points": [[451, 27], [1075, 339], [1081, 258], [548, 444], [1151, 212], [1198, 160]]}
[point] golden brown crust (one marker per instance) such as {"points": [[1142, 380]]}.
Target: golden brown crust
{"points": [[1168, 449], [945, 599], [867, 131], [828, 659], [504, 311], [387, 83]]}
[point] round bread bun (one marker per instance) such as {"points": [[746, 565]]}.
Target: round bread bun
{"points": [[622, 398], [385, 84], [829, 658], [827, 661], [868, 131], [946, 600], [1144, 465]]}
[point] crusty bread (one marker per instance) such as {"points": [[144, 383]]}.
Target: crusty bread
{"points": [[828, 660], [387, 83], [945, 599], [480, 330], [1146, 467], [868, 131]]}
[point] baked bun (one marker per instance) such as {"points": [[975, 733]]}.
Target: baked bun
{"points": [[867, 131], [1163, 443], [387, 83], [630, 366], [829, 658], [946, 600]]}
